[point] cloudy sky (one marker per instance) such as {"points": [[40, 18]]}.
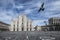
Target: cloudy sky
{"points": [[13, 8]]}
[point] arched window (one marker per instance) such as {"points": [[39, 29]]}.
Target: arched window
{"points": [[30, 27], [14, 28], [17, 28], [22, 29], [27, 29]]}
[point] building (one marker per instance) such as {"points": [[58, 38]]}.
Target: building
{"points": [[4, 26], [22, 23], [42, 28], [45, 28], [54, 23], [38, 28]]}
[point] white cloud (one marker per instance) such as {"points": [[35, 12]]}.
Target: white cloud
{"points": [[56, 3], [54, 6], [57, 15], [39, 22], [7, 16], [51, 8], [27, 11], [38, 4], [19, 7]]}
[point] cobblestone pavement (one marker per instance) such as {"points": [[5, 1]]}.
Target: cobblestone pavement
{"points": [[31, 35]]}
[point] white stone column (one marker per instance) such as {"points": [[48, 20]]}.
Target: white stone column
{"points": [[32, 27], [25, 22], [20, 23], [29, 25], [16, 20], [12, 25]]}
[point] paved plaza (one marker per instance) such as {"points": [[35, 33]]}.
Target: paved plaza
{"points": [[30, 35]]}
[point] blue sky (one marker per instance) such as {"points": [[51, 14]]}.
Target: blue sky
{"points": [[13, 8]]}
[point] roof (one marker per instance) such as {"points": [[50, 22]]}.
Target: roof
{"points": [[4, 23], [55, 18]]}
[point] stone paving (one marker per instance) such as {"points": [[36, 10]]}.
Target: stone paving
{"points": [[30, 35]]}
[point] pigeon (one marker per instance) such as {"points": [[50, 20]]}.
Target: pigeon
{"points": [[41, 8]]}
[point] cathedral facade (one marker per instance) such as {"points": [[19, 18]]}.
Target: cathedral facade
{"points": [[22, 23]]}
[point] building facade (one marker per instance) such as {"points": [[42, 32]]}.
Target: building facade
{"points": [[54, 23], [38, 28], [42, 28], [4, 26], [22, 23]]}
